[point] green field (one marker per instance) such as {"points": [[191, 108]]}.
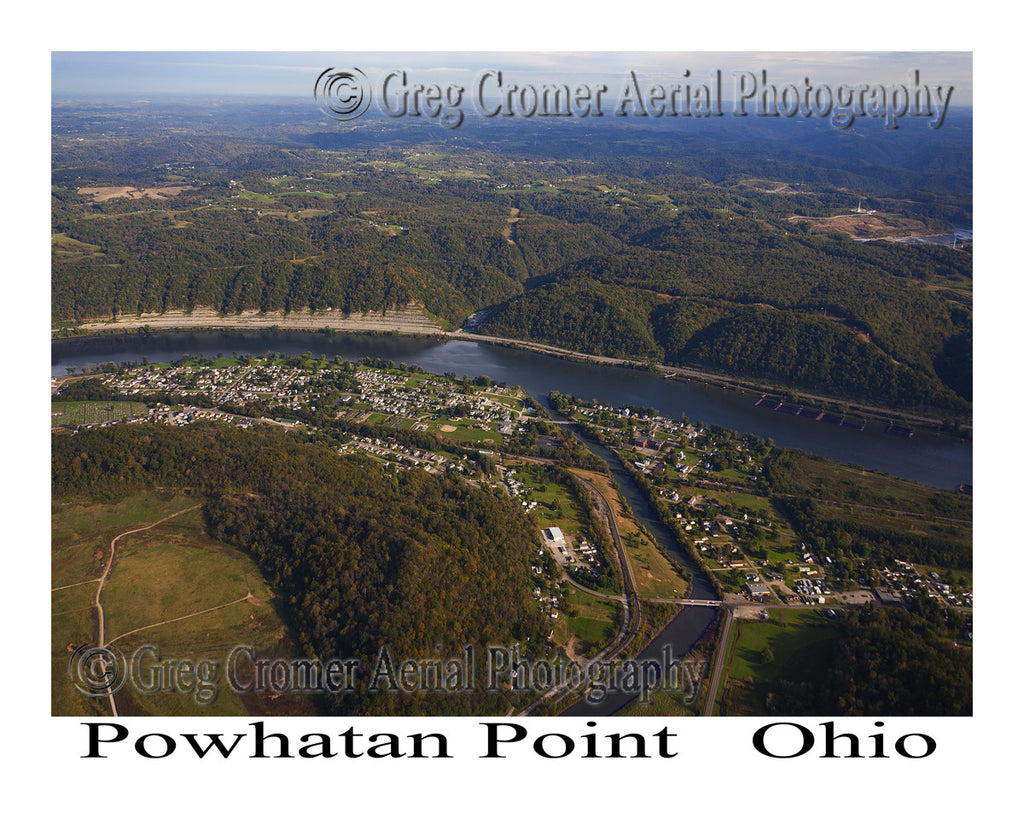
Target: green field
{"points": [[81, 413], [263, 198], [513, 404], [662, 703], [316, 194], [66, 246], [171, 587], [555, 506], [792, 636], [776, 556], [592, 621], [463, 432]]}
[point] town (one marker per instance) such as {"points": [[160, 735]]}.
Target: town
{"points": [[716, 491], [706, 478], [711, 482]]}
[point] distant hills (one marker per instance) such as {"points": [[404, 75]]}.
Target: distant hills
{"points": [[665, 241]]}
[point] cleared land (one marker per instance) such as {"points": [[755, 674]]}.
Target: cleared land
{"points": [[411, 319], [792, 638], [172, 587], [102, 194], [587, 623], [82, 413], [866, 225], [654, 574]]}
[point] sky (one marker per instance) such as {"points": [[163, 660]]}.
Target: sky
{"points": [[227, 73]]}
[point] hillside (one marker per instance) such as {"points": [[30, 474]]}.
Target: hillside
{"points": [[640, 250]]}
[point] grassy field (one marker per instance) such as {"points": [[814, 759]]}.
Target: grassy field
{"points": [[555, 506], [80, 413], [463, 432], [655, 574], [785, 633], [757, 503], [67, 247], [792, 636], [662, 704], [513, 404], [81, 532], [172, 587], [777, 556], [592, 621]]}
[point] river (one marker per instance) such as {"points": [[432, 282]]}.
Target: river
{"points": [[686, 628], [931, 460], [927, 458]]}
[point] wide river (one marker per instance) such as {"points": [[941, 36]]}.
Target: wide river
{"points": [[930, 459]]}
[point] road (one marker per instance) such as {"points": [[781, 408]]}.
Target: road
{"points": [[631, 603], [630, 626], [413, 321], [716, 670], [692, 372], [227, 393]]}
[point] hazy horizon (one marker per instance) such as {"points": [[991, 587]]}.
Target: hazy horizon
{"points": [[273, 74]]}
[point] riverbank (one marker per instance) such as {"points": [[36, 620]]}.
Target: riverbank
{"points": [[937, 425], [415, 320]]}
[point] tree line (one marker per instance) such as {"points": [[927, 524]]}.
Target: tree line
{"points": [[359, 559]]}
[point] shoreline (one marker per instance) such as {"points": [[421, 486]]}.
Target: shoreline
{"points": [[414, 320]]}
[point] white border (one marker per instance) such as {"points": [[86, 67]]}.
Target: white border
{"points": [[719, 771]]}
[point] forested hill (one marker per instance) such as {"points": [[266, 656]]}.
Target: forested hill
{"points": [[821, 313], [650, 242], [359, 560]]}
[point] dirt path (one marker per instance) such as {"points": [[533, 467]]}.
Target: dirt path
{"points": [[73, 585], [100, 639], [183, 617]]}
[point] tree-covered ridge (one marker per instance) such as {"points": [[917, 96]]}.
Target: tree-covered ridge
{"points": [[829, 314], [581, 315], [360, 560], [886, 662], [447, 252], [853, 516], [624, 248], [810, 352]]}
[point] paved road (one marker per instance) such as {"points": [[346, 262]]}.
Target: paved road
{"points": [[716, 670], [206, 317]]}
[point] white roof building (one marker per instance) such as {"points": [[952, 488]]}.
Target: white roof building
{"points": [[554, 533]]}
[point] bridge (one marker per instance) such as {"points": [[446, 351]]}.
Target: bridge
{"points": [[686, 601]]}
